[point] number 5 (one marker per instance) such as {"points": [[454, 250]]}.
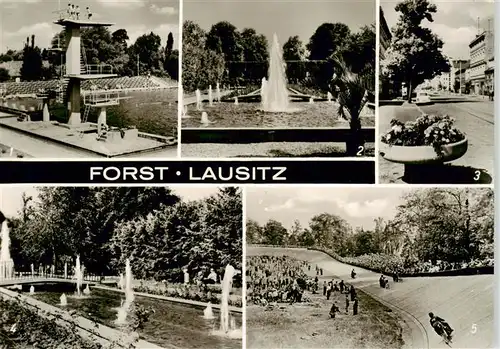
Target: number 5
{"points": [[474, 329], [360, 150], [477, 175]]}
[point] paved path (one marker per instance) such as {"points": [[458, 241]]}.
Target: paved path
{"points": [[466, 302], [476, 119]]}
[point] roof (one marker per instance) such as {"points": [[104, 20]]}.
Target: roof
{"points": [[14, 67]]}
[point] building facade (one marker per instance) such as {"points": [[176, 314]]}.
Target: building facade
{"points": [[481, 54], [385, 35]]}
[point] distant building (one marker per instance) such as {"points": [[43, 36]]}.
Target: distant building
{"points": [[458, 67], [461, 75], [481, 54], [385, 34]]}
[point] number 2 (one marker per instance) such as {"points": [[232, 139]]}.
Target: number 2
{"points": [[477, 175], [474, 329], [360, 150]]}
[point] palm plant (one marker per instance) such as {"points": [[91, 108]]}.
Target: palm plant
{"points": [[352, 91]]}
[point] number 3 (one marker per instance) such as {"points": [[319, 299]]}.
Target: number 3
{"points": [[477, 175], [360, 150], [474, 329]]}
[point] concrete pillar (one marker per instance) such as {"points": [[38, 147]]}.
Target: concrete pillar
{"points": [[46, 115], [101, 120], [73, 51], [74, 102]]}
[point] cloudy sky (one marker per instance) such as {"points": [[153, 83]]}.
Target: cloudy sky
{"points": [[455, 22], [11, 203], [358, 206], [285, 17], [21, 18]]}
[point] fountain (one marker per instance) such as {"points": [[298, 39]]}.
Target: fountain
{"points": [[208, 312], [198, 100], [263, 91], [11, 151], [185, 112], [6, 262], [276, 92], [32, 289], [32, 270], [204, 119], [218, 94], [311, 100], [236, 101], [329, 97], [86, 291], [65, 270], [63, 300], [227, 284], [210, 97], [129, 296], [78, 277]]}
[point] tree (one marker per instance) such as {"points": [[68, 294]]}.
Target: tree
{"points": [[415, 52], [359, 51], [327, 40], [201, 66], [4, 75], [329, 231], [293, 50], [255, 56], [295, 233], [170, 45], [224, 38], [171, 65], [32, 67], [274, 233], [254, 234], [147, 48]]}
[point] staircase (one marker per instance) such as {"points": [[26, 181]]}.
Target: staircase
{"points": [[83, 61], [63, 87]]}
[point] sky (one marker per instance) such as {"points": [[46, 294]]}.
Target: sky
{"points": [[21, 18], [11, 203], [285, 18], [455, 22], [358, 206]]}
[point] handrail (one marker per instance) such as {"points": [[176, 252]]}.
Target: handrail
{"points": [[96, 97], [91, 69]]}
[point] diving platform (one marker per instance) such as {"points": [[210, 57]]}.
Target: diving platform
{"points": [[77, 23], [102, 98]]}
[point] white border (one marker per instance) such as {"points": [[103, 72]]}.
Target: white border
{"points": [[244, 268], [180, 92], [377, 83]]}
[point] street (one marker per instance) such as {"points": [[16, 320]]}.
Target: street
{"points": [[474, 118]]}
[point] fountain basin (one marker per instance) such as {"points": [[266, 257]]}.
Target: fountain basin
{"points": [[172, 325], [251, 115], [419, 155]]}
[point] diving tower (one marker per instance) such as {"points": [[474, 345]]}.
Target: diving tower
{"points": [[77, 70]]}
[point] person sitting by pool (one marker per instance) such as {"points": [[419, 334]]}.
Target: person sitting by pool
{"points": [[212, 277], [77, 12], [69, 11], [89, 14]]}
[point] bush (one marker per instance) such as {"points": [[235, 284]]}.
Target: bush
{"points": [[26, 327]]}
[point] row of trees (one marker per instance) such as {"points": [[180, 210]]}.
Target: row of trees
{"points": [[454, 225], [145, 55], [225, 54], [153, 227], [415, 53]]}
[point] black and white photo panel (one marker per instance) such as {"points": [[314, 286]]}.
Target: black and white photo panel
{"points": [[121, 267], [369, 267], [436, 92], [89, 79], [300, 86]]}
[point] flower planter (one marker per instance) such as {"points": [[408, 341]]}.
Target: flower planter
{"points": [[420, 155]]}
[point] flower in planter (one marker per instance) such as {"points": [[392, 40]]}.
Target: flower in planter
{"points": [[430, 130]]}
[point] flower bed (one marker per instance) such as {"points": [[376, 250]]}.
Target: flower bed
{"points": [[22, 327], [191, 292], [426, 130]]}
